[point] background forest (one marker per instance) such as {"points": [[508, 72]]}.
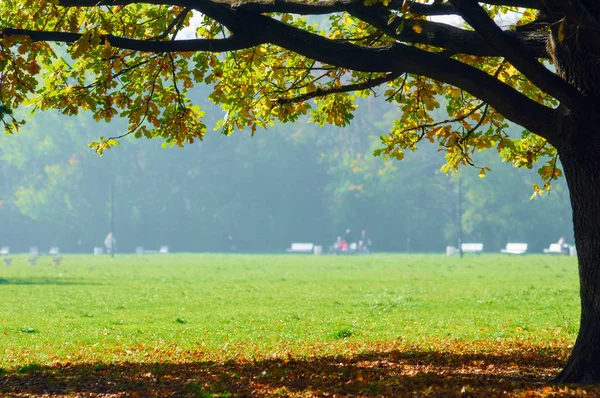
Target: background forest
{"points": [[296, 182]]}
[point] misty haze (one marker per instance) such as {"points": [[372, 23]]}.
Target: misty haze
{"points": [[291, 183]]}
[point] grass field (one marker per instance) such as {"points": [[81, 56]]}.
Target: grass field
{"points": [[213, 325]]}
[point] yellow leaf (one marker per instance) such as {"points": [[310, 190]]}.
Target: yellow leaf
{"points": [[82, 45], [107, 51], [417, 28], [118, 64]]}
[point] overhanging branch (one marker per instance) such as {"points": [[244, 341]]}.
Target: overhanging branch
{"points": [[514, 53], [251, 29], [304, 7], [232, 43], [400, 59], [445, 36], [342, 89], [255, 6]]}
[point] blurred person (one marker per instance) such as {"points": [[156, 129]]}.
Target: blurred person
{"points": [[364, 243], [564, 248], [348, 236], [339, 246], [110, 243]]}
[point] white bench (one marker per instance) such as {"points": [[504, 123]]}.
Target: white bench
{"points": [[553, 249], [471, 247], [4, 252], [301, 248], [515, 248]]}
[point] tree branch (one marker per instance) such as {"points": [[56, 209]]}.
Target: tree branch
{"points": [[514, 53], [447, 121], [304, 7], [587, 24], [232, 43], [229, 13], [400, 59], [456, 40], [175, 23], [342, 89], [439, 35], [443, 8], [256, 6]]}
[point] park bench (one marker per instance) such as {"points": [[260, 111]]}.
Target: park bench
{"points": [[515, 248], [4, 252], [471, 248], [301, 248], [553, 249]]}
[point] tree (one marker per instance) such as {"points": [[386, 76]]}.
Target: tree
{"points": [[194, 204], [497, 209], [265, 63]]}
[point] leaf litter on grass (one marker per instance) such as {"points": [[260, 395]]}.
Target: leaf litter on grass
{"points": [[485, 368]]}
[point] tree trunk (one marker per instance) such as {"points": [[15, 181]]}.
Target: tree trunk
{"points": [[580, 159]]}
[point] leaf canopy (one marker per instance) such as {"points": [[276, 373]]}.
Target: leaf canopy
{"points": [[271, 62]]}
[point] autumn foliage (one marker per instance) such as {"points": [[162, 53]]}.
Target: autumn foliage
{"points": [[293, 66], [517, 368]]}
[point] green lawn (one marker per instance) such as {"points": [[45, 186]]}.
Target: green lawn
{"points": [[94, 309]]}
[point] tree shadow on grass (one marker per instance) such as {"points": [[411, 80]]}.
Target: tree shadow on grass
{"points": [[44, 281], [395, 373]]}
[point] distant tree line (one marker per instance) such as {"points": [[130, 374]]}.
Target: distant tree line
{"points": [[292, 183]]}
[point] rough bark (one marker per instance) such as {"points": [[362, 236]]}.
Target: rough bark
{"points": [[581, 163]]}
